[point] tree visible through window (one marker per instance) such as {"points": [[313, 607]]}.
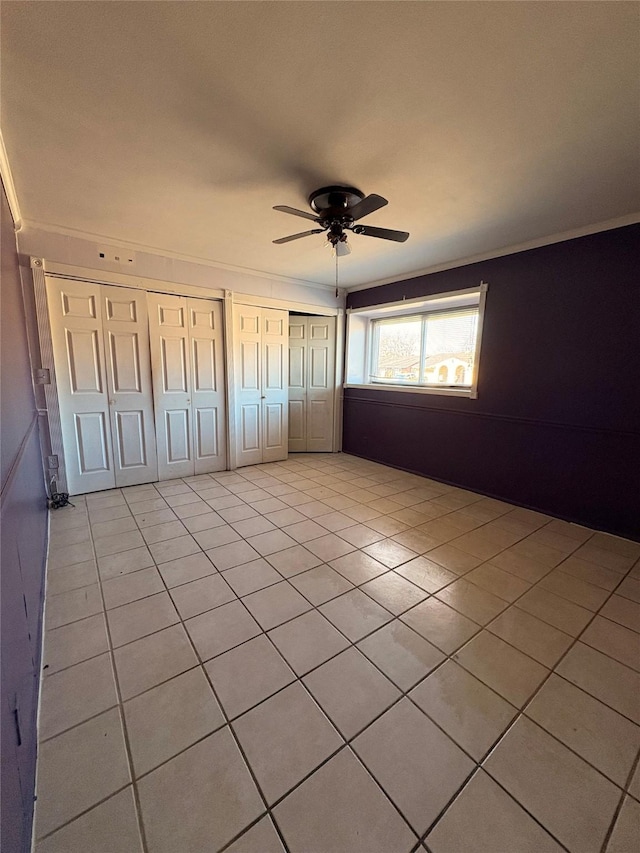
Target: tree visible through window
{"points": [[399, 349], [436, 348]]}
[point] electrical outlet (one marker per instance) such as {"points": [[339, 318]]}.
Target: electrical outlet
{"points": [[43, 376], [116, 255], [52, 462]]}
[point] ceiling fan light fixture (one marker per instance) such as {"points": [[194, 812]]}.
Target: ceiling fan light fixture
{"points": [[338, 245]]}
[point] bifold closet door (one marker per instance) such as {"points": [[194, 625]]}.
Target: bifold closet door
{"points": [[186, 353], [312, 345], [78, 348], [103, 376], [128, 362], [261, 366]]}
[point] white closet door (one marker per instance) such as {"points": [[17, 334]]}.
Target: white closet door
{"points": [[321, 353], [207, 386], [248, 372], [261, 371], [297, 384], [128, 361], [169, 337], [76, 328], [312, 345], [275, 389]]}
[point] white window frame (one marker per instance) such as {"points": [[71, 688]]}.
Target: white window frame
{"points": [[361, 333]]}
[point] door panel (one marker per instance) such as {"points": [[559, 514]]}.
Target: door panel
{"points": [[297, 422], [131, 448], [173, 351], [319, 421], [119, 308], [207, 387], [250, 365], [249, 320], [169, 337], [124, 352], [204, 365], [80, 305], [206, 433], [250, 427], [273, 364], [130, 391], [92, 442], [172, 315], [274, 323], [85, 364], [177, 431], [76, 329], [274, 422], [318, 369], [297, 364]]}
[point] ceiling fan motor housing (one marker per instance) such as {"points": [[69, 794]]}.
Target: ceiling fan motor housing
{"points": [[332, 202]]}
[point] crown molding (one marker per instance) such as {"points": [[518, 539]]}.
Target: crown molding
{"points": [[9, 186], [166, 253], [607, 225]]}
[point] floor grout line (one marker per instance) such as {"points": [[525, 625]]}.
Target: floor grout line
{"points": [[623, 797]]}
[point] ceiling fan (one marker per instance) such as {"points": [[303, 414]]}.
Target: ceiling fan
{"points": [[336, 211]]}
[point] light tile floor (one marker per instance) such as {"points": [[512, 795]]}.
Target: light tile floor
{"points": [[326, 655]]}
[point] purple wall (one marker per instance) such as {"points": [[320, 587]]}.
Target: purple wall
{"points": [[556, 426], [24, 542]]}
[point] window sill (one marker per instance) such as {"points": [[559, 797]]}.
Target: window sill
{"points": [[471, 393]]}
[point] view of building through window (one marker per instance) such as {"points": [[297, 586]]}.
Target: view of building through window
{"points": [[429, 349]]}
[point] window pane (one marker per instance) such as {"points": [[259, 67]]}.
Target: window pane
{"points": [[397, 357], [450, 348]]}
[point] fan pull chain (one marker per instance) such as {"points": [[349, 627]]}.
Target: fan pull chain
{"points": [[336, 251]]}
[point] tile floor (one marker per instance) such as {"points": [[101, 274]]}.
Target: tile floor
{"points": [[326, 655]]}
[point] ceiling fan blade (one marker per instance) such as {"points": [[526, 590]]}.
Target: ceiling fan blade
{"points": [[283, 208], [297, 236], [343, 248], [383, 233], [368, 205]]}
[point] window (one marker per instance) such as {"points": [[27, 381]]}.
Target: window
{"points": [[427, 345]]}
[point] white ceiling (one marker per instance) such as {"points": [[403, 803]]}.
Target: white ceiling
{"points": [[177, 126]]}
